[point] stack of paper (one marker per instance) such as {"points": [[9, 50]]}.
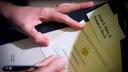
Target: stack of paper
{"points": [[96, 48]]}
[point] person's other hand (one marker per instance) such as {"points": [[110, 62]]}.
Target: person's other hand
{"points": [[26, 18], [50, 64]]}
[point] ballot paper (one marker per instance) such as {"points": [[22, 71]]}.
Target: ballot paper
{"points": [[106, 25], [111, 56], [83, 49]]}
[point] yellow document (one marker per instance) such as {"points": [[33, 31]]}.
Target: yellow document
{"points": [[106, 26], [84, 52], [111, 56]]}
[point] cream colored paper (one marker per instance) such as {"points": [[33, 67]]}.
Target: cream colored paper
{"points": [[106, 25], [111, 55]]}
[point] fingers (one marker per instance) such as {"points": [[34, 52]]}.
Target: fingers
{"points": [[49, 14], [56, 14], [54, 64], [36, 36], [59, 17], [68, 7]]}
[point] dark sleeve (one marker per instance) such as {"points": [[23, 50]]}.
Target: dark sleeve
{"points": [[18, 2]]}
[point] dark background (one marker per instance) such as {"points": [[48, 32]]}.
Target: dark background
{"points": [[9, 34]]}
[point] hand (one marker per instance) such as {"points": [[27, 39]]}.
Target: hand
{"points": [[26, 18], [51, 64]]}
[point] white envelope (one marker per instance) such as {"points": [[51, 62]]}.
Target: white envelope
{"points": [[25, 52]]}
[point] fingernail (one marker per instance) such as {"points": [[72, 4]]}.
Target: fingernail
{"points": [[45, 40], [81, 25], [45, 44]]}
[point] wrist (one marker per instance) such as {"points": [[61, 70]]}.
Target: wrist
{"points": [[7, 8]]}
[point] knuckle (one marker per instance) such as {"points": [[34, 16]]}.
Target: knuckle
{"points": [[63, 4], [24, 27], [65, 17], [66, 4], [47, 9], [27, 28], [46, 12]]}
